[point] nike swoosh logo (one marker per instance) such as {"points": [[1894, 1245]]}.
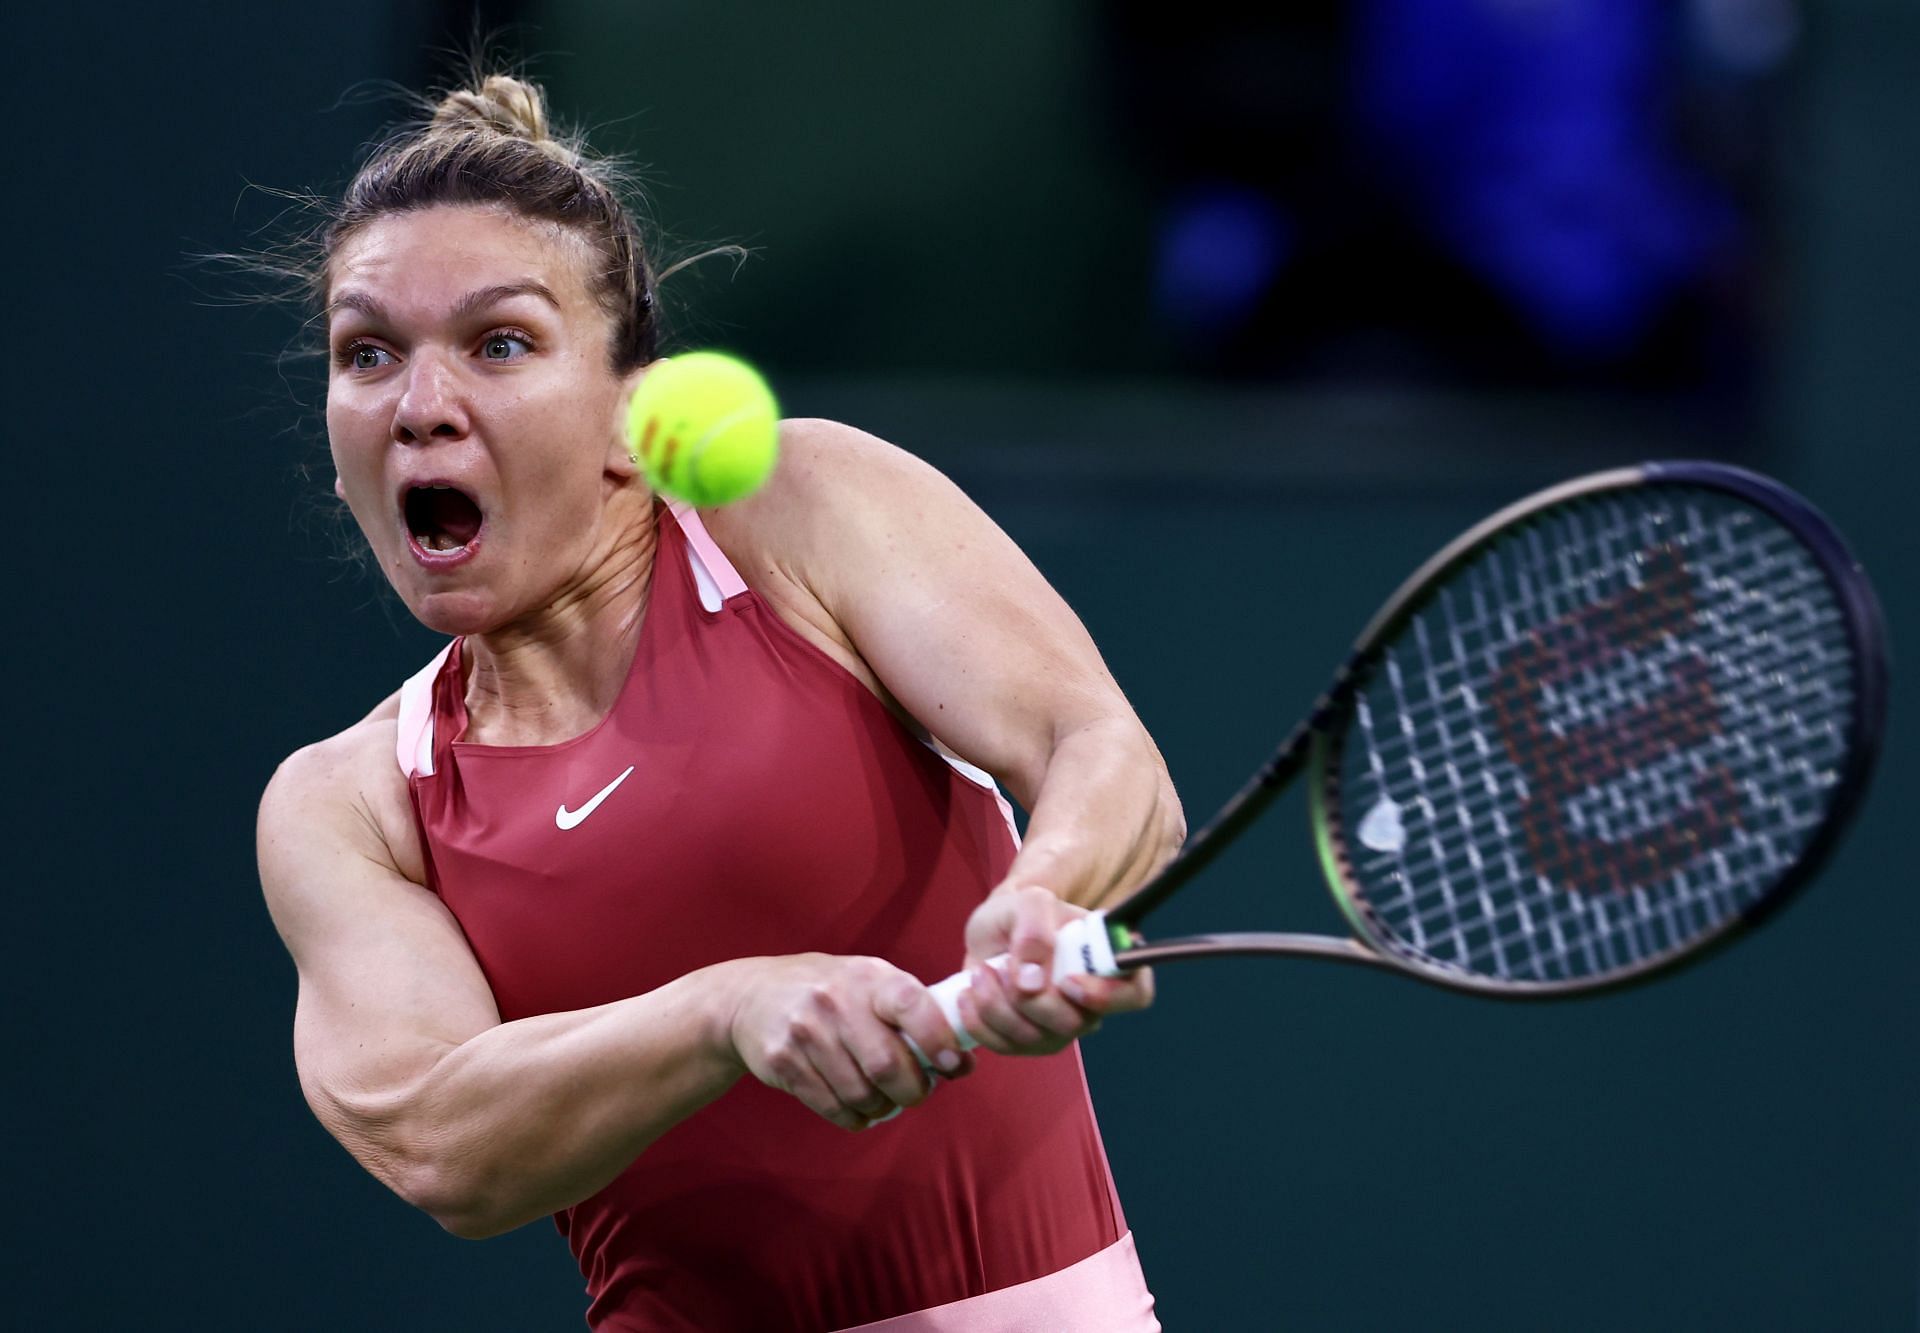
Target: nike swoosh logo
{"points": [[567, 819]]}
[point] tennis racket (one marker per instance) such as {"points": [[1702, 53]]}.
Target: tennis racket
{"points": [[1602, 731]]}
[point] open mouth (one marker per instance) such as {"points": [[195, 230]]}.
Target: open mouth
{"points": [[441, 519]]}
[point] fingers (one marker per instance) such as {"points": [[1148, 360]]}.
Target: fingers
{"points": [[800, 1079], [1018, 922], [910, 1009], [808, 1059], [1111, 995], [1037, 914], [1022, 1010], [834, 1032], [836, 1041], [1004, 1018]]}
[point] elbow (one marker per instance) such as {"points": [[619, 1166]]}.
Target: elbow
{"points": [[457, 1200], [445, 1197], [473, 1226], [421, 1163]]}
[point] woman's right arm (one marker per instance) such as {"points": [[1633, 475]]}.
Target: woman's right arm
{"points": [[487, 1125]]}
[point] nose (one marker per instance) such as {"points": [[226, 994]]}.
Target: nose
{"points": [[432, 405]]}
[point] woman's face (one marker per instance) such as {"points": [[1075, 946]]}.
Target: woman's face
{"points": [[472, 415]]}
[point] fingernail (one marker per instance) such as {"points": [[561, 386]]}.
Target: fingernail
{"points": [[1033, 977], [947, 1060], [1073, 990]]}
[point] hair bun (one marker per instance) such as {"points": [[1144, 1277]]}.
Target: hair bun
{"points": [[502, 103]]}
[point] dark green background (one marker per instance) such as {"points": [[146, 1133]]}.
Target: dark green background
{"points": [[946, 243]]}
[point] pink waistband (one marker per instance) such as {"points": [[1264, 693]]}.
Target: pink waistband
{"points": [[1103, 1293]]}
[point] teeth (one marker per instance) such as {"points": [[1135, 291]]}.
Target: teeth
{"points": [[432, 541]]}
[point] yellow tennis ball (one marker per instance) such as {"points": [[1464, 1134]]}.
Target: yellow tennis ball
{"points": [[704, 427]]}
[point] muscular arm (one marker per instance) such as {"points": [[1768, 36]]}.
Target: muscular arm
{"points": [[888, 566], [927, 599], [486, 1125]]}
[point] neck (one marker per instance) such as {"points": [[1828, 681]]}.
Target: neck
{"points": [[554, 675]]}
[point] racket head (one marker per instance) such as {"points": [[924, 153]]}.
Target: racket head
{"points": [[1600, 732]]}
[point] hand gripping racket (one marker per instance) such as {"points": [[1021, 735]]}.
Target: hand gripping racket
{"points": [[1603, 730]]}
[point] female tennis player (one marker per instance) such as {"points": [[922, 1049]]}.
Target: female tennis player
{"points": [[618, 911]]}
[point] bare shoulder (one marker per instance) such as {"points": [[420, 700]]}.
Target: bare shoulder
{"points": [[815, 451], [349, 761], [387, 709], [830, 475], [344, 796], [841, 498]]}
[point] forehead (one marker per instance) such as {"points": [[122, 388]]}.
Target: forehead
{"points": [[428, 258]]}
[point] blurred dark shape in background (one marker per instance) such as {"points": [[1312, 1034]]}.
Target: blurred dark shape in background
{"points": [[1499, 193]]}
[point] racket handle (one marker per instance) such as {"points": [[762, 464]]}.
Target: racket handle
{"points": [[1082, 947]]}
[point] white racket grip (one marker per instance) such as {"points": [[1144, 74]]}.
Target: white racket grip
{"points": [[1082, 947]]}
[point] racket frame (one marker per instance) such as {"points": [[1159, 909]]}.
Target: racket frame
{"points": [[1314, 745]]}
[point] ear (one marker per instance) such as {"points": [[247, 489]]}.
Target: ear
{"points": [[620, 460]]}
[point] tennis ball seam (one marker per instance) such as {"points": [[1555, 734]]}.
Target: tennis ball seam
{"points": [[707, 461], [697, 452]]}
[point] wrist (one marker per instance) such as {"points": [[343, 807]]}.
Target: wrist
{"points": [[722, 993], [1044, 857]]}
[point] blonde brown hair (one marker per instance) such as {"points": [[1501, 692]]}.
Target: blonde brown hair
{"points": [[492, 144]]}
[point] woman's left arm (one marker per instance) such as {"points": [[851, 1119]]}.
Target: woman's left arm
{"points": [[934, 606]]}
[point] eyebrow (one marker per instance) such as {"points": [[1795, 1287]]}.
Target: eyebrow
{"points": [[473, 302], [476, 301]]}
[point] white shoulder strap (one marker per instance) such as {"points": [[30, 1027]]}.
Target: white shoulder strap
{"points": [[713, 573], [414, 746]]}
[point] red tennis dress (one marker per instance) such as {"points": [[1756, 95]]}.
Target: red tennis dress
{"points": [[746, 796]]}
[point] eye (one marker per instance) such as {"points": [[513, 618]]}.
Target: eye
{"points": [[364, 356], [505, 347]]}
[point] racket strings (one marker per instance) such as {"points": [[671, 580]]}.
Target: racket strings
{"points": [[1795, 750], [1600, 741]]}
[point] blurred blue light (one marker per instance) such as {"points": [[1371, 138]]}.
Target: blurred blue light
{"points": [[1221, 247], [1527, 138], [1747, 36]]}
